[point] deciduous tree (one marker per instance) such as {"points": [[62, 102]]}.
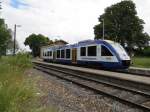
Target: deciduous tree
{"points": [[122, 25], [5, 37], [35, 42]]}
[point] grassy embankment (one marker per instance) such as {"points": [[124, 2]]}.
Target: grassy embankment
{"points": [[17, 92], [143, 62]]}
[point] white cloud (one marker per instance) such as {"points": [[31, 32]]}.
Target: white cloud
{"points": [[71, 20]]}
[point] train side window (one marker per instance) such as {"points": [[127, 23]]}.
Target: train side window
{"points": [[48, 53], [83, 51], [58, 53], [67, 53], [62, 53], [43, 54], [92, 51], [105, 51]]}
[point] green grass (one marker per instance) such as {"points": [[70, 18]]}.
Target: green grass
{"points": [[143, 62], [17, 92]]}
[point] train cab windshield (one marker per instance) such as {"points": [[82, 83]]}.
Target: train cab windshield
{"points": [[120, 50]]}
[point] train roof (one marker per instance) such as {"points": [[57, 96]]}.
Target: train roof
{"points": [[81, 43]]}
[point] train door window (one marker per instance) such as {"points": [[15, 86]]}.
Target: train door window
{"points": [[83, 51], [50, 53], [62, 53], [58, 53], [67, 53], [105, 51], [92, 51], [54, 55], [43, 54]]}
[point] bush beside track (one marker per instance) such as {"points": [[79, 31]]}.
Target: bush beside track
{"points": [[18, 93]]}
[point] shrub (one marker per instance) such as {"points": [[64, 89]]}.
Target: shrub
{"points": [[17, 92], [144, 52]]}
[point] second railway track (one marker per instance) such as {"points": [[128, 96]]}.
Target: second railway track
{"points": [[123, 94]]}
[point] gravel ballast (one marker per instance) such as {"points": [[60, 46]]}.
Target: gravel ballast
{"points": [[68, 97]]}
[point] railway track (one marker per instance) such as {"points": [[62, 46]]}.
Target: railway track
{"points": [[133, 73], [126, 95], [126, 71]]}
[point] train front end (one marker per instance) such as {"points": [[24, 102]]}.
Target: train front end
{"points": [[122, 55]]}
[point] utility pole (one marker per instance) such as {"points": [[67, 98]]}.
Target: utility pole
{"points": [[103, 29], [15, 28], [14, 40]]}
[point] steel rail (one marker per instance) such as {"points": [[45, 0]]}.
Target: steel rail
{"points": [[115, 71], [104, 76], [146, 94], [139, 106]]}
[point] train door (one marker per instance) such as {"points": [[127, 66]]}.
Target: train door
{"points": [[54, 56], [74, 55], [41, 53]]}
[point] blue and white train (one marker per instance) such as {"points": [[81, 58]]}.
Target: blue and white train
{"points": [[104, 53]]}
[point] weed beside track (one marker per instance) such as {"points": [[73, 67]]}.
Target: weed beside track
{"points": [[18, 93]]}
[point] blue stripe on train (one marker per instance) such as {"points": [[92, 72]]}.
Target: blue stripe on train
{"points": [[107, 65], [63, 61]]}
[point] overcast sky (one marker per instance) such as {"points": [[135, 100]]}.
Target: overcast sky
{"points": [[71, 20]]}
